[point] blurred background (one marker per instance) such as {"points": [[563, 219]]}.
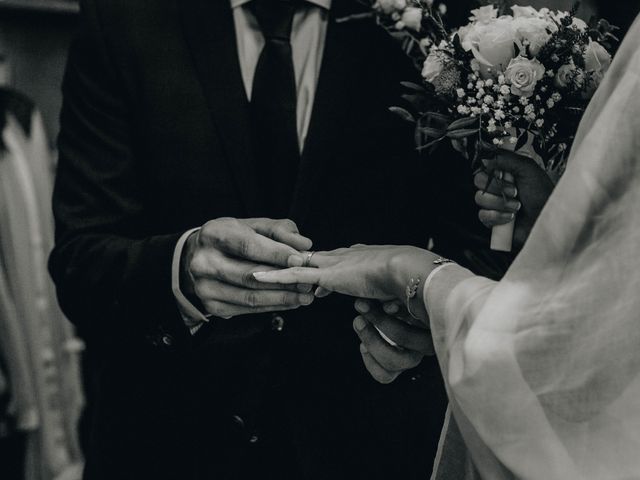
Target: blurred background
{"points": [[41, 398]]}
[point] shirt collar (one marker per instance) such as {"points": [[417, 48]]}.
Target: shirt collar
{"points": [[326, 4]]}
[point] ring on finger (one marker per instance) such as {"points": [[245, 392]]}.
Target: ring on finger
{"points": [[307, 260]]}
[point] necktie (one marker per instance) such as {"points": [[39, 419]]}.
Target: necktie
{"points": [[273, 106]]}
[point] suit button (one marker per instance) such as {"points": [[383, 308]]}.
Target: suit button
{"points": [[254, 438], [277, 323], [167, 340]]}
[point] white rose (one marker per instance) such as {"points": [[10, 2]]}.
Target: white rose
{"points": [[433, 67], [412, 18], [580, 24], [523, 75], [484, 14], [492, 45], [525, 12], [565, 76], [535, 31], [390, 6], [597, 58]]}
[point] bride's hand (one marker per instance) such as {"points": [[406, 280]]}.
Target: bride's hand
{"points": [[373, 272], [501, 201]]}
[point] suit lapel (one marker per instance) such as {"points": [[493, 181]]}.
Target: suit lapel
{"points": [[210, 33]]}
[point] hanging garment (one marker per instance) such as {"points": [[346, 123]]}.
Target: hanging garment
{"points": [[37, 342]]}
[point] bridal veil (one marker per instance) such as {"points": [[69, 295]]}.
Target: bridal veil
{"points": [[543, 368]]}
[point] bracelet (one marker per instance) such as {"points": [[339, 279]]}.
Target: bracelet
{"points": [[411, 291]]}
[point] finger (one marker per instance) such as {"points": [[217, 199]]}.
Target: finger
{"points": [[491, 218], [241, 241], [375, 369], [283, 231], [303, 288], [486, 183], [402, 334], [231, 294], [228, 310], [390, 358], [322, 292], [211, 264], [315, 259], [488, 201], [290, 276]]}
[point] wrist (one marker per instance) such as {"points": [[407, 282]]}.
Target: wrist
{"points": [[410, 263], [187, 286]]}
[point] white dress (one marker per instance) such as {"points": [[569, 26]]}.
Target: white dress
{"points": [[543, 368]]}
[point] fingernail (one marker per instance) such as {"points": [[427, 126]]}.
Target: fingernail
{"points": [[295, 261], [307, 299], [511, 192], [362, 306], [363, 348], [259, 275], [359, 324], [508, 217], [514, 205], [391, 308]]}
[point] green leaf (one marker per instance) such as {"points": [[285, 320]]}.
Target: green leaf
{"points": [[431, 144], [462, 133], [413, 86], [437, 117], [463, 123], [432, 132], [414, 100], [402, 113]]}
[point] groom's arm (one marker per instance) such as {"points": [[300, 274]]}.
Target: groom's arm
{"points": [[112, 272]]}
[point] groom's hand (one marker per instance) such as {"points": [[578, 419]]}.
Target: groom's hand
{"points": [[384, 361], [219, 261]]}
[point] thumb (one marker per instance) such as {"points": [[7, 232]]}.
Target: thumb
{"points": [[508, 162]]}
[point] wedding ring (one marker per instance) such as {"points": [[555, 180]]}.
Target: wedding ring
{"points": [[307, 261]]}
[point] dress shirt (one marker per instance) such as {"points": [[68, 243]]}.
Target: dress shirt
{"points": [[307, 43]]}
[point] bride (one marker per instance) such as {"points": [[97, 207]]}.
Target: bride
{"points": [[543, 368]]}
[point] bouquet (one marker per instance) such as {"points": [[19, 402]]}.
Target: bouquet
{"points": [[514, 78]]}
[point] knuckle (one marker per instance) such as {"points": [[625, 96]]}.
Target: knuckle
{"points": [[251, 299], [198, 264], [384, 378], [289, 225], [247, 279], [214, 308]]}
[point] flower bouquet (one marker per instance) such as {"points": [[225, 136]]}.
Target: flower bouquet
{"points": [[514, 78]]}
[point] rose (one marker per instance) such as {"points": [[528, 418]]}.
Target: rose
{"points": [[484, 14], [492, 45], [525, 12], [533, 31], [412, 18], [390, 6], [580, 24], [596, 58], [565, 76], [433, 67], [523, 75]]}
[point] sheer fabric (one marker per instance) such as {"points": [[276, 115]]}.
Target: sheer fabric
{"points": [[543, 368]]}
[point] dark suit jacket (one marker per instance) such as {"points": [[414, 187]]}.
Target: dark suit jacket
{"points": [[155, 141]]}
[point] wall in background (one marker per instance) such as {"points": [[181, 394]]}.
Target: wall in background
{"points": [[35, 45]]}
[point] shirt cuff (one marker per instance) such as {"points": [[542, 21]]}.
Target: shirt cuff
{"points": [[192, 317]]}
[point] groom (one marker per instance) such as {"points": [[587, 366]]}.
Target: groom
{"points": [[197, 114]]}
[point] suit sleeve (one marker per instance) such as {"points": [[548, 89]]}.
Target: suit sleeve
{"points": [[111, 268]]}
